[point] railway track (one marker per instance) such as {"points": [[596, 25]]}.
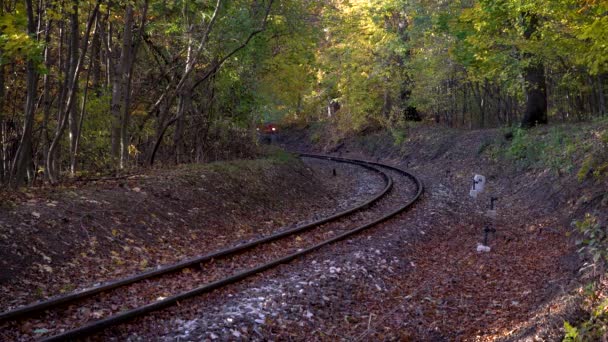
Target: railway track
{"points": [[83, 313]]}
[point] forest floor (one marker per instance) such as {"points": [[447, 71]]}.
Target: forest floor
{"points": [[524, 289], [55, 240], [416, 277]]}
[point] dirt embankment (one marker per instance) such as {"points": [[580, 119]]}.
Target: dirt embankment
{"points": [[548, 183], [55, 240], [527, 286]]}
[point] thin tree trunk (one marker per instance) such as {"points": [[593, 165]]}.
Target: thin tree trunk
{"points": [[183, 100], [73, 157], [96, 60], [46, 97], [2, 135], [602, 96], [116, 101], [178, 134], [594, 100], [24, 151], [72, 112], [133, 47], [212, 70], [387, 103], [3, 157], [480, 103], [108, 49], [71, 93], [465, 103], [125, 88]]}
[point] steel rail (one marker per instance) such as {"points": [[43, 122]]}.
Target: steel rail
{"points": [[75, 296], [170, 301]]}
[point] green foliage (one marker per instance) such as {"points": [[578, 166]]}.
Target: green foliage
{"points": [[95, 141], [280, 156], [316, 134], [596, 161], [360, 63], [594, 241], [375, 58], [399, 136], [523, 149], [559, 151], [594, 246], [555, 149], [15, 42], [315, 137], [571, 333], [593, 329]]}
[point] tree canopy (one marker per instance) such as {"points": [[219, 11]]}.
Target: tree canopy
{"points": [[91, 84]]}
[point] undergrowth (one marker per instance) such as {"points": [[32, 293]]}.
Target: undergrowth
{"points": [[594, 247], [593, 243], [596, 163], [555, 149], [239, 169], [399, 136], [370, 143], [582, 153]]}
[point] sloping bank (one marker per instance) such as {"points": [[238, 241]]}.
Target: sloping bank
{"points": [[534, 279], [59, 239]]}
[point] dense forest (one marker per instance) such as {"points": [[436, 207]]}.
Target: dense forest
{"points": [[90, 85]]}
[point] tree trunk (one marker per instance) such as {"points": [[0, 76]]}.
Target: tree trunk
{"points": [[71, 92], [535, 87], [131, 46], [480, 103], [602, 96], [47, 102], [183, 100], [96, 61], [211, 70], [126, 66], [23, 156], [62, 69], [2, 130], [464, 105], [72, 112], [74, 156], [115, 80], [2, 135]]}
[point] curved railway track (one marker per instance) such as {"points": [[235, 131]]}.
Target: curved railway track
{"points": [[148, 291]]}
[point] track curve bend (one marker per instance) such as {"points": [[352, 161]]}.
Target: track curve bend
{"points": [[59, 303]]}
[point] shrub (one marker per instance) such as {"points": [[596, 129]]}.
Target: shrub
{"points": [[594, 329], [554, 150], [596, 162], [594, 246], [399, 136]]}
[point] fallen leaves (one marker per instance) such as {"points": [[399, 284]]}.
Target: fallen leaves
{"points": [[95, 233]]}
